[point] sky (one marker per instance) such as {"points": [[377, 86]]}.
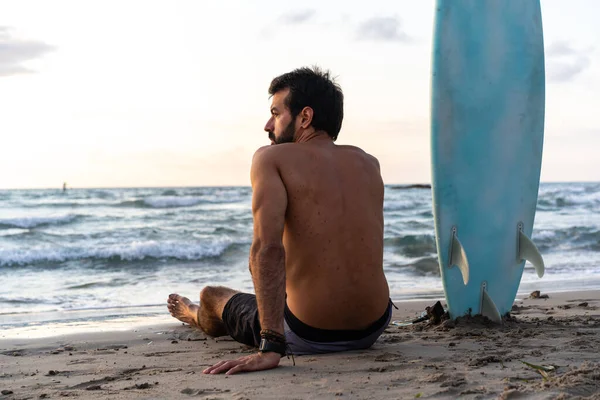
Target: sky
{"points": [[174, 93]]}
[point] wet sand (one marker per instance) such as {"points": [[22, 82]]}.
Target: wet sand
{"points": [[467, 359]]}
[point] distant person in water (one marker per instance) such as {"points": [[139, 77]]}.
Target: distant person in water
{"points": [[316, 258], [64, 186]]}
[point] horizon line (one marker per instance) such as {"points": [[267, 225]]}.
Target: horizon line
{"points": [[225, 186]]}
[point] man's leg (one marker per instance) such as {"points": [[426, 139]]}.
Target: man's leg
{"points": [[207, 316]]}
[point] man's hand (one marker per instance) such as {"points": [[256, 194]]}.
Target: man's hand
{"points": [[254, 362]]}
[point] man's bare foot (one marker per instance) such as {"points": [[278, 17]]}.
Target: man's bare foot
{"points": [[183, 309]]}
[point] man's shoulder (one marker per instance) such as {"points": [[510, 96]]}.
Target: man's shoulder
{"points": [[282, 152], [349, 147], [270, 156], [270, 153], [360, 153]]}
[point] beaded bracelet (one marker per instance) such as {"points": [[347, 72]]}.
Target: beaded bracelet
{"points": [[272, 335]]}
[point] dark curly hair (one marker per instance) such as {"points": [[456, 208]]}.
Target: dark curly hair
{"points": [[314, 88]]}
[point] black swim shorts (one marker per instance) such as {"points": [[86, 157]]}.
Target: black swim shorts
{"points": [[240, 316]]}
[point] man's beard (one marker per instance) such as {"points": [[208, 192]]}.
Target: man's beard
{"points": [[287, 136]]}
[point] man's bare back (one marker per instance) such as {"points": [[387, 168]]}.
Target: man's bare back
{"points": [[317, 246], [333, 235]]}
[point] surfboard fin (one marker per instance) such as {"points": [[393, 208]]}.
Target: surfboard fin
{"points": [[488, 308], [458, 257], [528, 251]]}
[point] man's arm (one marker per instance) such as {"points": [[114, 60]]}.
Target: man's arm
{"points": [[267, 258], [267, 255]]}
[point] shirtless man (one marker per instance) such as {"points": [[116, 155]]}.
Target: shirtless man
{"points": [[316, 258]]}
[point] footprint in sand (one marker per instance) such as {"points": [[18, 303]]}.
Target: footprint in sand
{"points": [[200, 392]]}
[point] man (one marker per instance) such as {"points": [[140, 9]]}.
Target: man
{"points": [[317, 251]]}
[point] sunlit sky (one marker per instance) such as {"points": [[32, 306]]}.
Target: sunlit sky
{"points": [[174, 93]]}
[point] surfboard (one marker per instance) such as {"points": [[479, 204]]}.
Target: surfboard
{"points": [[487, 129]]}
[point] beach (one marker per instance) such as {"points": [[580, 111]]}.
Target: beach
{"points": [[467, 358], [96, 255]]}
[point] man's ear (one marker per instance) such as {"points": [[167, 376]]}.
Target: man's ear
{"points": [[306, 117]]}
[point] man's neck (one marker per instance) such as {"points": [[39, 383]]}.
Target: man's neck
{"points": [[312, 135]]}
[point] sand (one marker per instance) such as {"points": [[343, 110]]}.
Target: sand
{"points": [[468, 359]]}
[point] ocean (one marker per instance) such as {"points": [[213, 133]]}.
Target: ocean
{"points": [[97, 258]]}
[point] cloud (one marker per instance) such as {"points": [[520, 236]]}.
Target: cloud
{"points": [[564, 62], [566, 71], [387, 29], [14, 52], [291, 18], [297, 17], [558, 49]]}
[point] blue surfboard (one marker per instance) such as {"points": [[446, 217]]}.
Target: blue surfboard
{"points": [[487, 129]]}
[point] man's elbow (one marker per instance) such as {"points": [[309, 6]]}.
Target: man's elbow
{"points": [[262, 252]]}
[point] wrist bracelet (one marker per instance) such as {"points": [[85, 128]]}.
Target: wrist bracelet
{"points": [[267, 345], [272, 341], [272, 335]]}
